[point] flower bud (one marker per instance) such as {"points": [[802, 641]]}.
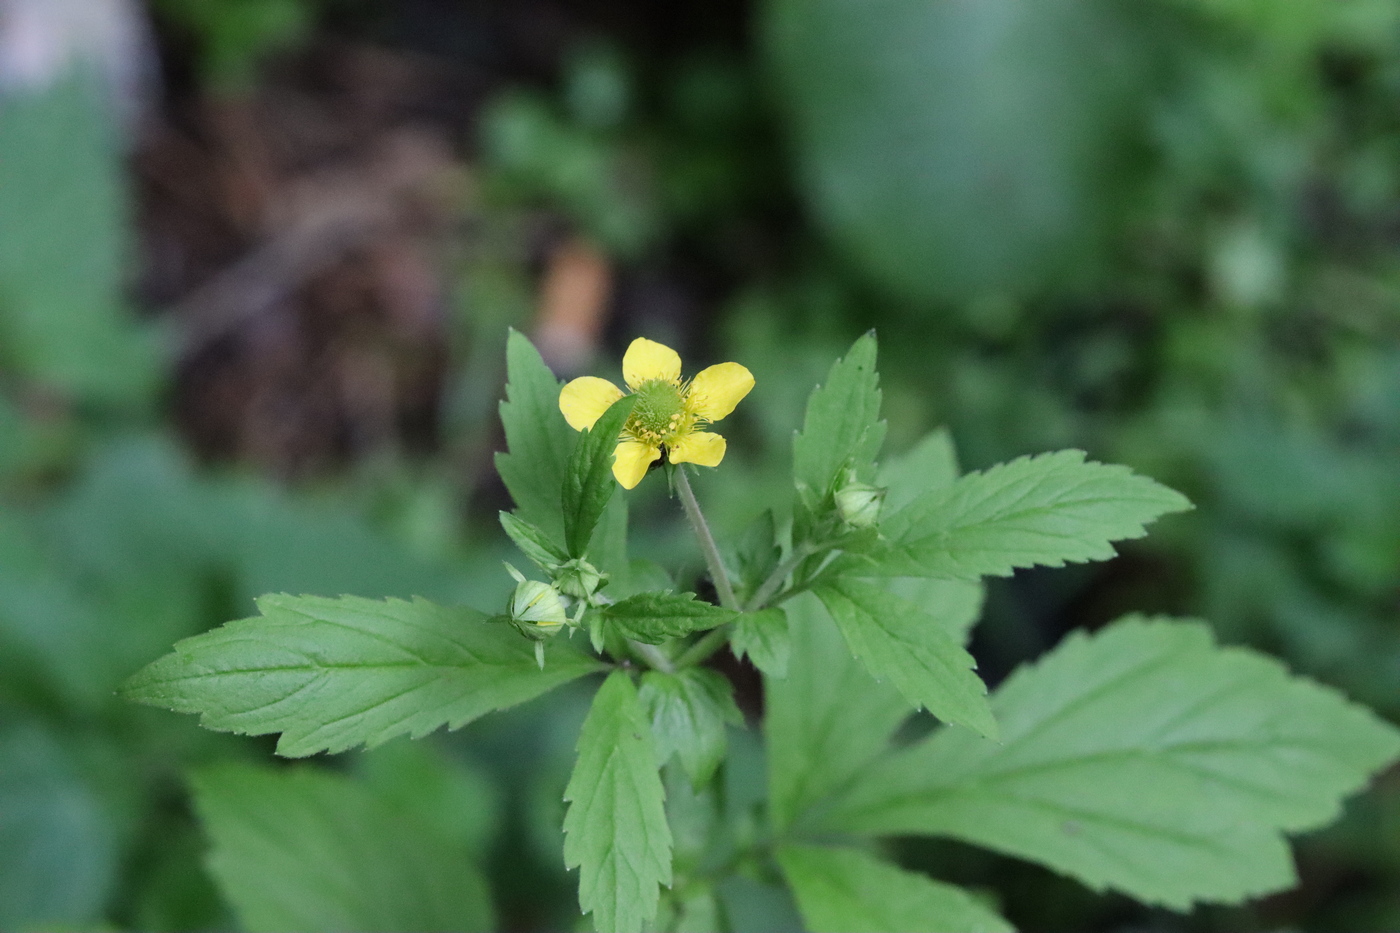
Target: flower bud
{"points": [[578, 579], [539, 605], [859, 503]]}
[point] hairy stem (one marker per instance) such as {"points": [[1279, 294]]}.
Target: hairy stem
{"points": [[776, 579], [707, 541]]}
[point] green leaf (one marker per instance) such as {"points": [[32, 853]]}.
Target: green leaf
{"points": [[307, 849], [656, 616], [839, 890], [765, 638], [753, 556], [332, 673], [1144, 759], [533, 542], [991, 123], [930, 464], [689, 711], [63, 317], [842, 427], [897, 640], [615, 830], [59, 847], [1042, 510], [538, 437], [589, 483], [953, 605], [826, 720]]}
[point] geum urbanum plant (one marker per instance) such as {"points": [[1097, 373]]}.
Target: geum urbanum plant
{"points": [[1142, 758]]}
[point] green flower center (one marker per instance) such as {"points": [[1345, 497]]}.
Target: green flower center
{"points": [[660, 413]]}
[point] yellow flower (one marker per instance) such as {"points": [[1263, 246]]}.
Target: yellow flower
{"points": [[669, 413]]}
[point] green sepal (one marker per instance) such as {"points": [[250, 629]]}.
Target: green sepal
{"points": [[533, 542]]}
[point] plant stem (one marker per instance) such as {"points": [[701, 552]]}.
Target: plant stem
{"points": [[713, 641], [777, 577], [707, 541], [653, 655]]}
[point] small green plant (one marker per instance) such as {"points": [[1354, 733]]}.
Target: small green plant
{"points": [[1141, 758]]}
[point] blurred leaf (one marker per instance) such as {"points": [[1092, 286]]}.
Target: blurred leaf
{"points": [[311, 850], [930, 464], [898, 641], [62, 212], [689, 711], [330, 674], [449, 797], [826, 720], [953, 148], [615, 830], [846, 889], [1142, 758], [58, 848]]}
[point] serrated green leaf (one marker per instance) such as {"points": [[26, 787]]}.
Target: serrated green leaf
{"points": [[953, 605], [689, 711], [898, 641], [1144, 759], [656, 616], [533, 542], [930, 464], [826, 720], [615, 830], [1034, 511], [537, 437], [589, 483], [311, 850], [330, 674], [839, 890], [765, 638], [842, 427]]}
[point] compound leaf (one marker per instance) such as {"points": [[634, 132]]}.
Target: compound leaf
{"points": [[898, 641], [656, 616], [825, 720], [1043, 510], [1143, 758], [615, 830], [332, 673], [839, 890], [311, 850]]}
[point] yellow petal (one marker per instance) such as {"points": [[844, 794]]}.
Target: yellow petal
{"points": [[646, 360], [630, 462], [584, 400], [700, 447], [715, 392]]}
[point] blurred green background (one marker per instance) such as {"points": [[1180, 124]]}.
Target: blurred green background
{"points": [[258, 259]]}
